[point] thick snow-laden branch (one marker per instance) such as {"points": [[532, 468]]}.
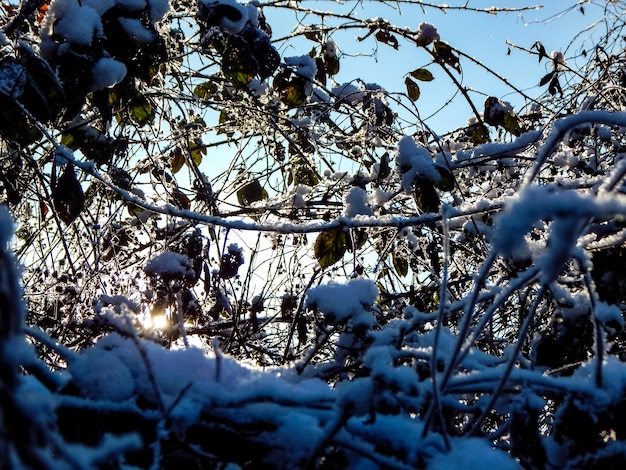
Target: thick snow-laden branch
{"points": [[560, 129], [65, 155]]}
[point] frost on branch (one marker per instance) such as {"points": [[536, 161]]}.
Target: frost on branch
{"points": [[342, 283], [169, 266]]}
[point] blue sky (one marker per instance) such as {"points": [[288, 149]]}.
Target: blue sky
{"points": [[479, 35]]}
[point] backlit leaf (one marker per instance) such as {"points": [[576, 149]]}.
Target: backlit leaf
{"points": [[320, 74], [384, 169], [196, 151], [426, 196], [312, 34], [555, 86], [332, 65], [133, 209], [422, 75], [68, 140], [400, 264], [251, 192], [511, 124], [43, 94], [141, 112], [445, 55], [446, 180], [330, 247], [43, 209], [292, 90], [546, 78], [412, 89], [177, 160], [224, 118], [205, 90], [302, 172], [180, 200], [540, 49], [387, 38], [480, 134], [68, 196], [238, 63]]}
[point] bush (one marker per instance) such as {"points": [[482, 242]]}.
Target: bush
{"points": [[347, 289]]}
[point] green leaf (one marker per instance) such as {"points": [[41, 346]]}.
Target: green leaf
{"points": [[251, 192], [497, 114], [446, 180], [412, 89], [140, 110], [511, 124], [238, 63], [422, 75], [205, 90], [196, 151], [400, 264], [426, 196], [223, 119], [292, 90], [330, 247], [294, 93], [480, 134], [303, 173], [68, 140]]}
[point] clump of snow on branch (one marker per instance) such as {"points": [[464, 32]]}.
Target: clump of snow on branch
{"points": [[412, 162], [355, 203], [235, 20], [6, 227], [77, 23], [609, 314], [330, 49], [158, 8], [531, 206], [304, 66], [299, 193], [119, 304], [348, 92], [107, 72], [426, 34], [558, 60], [169, 265], [472, 454], [341, 302], [136, 30]]}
